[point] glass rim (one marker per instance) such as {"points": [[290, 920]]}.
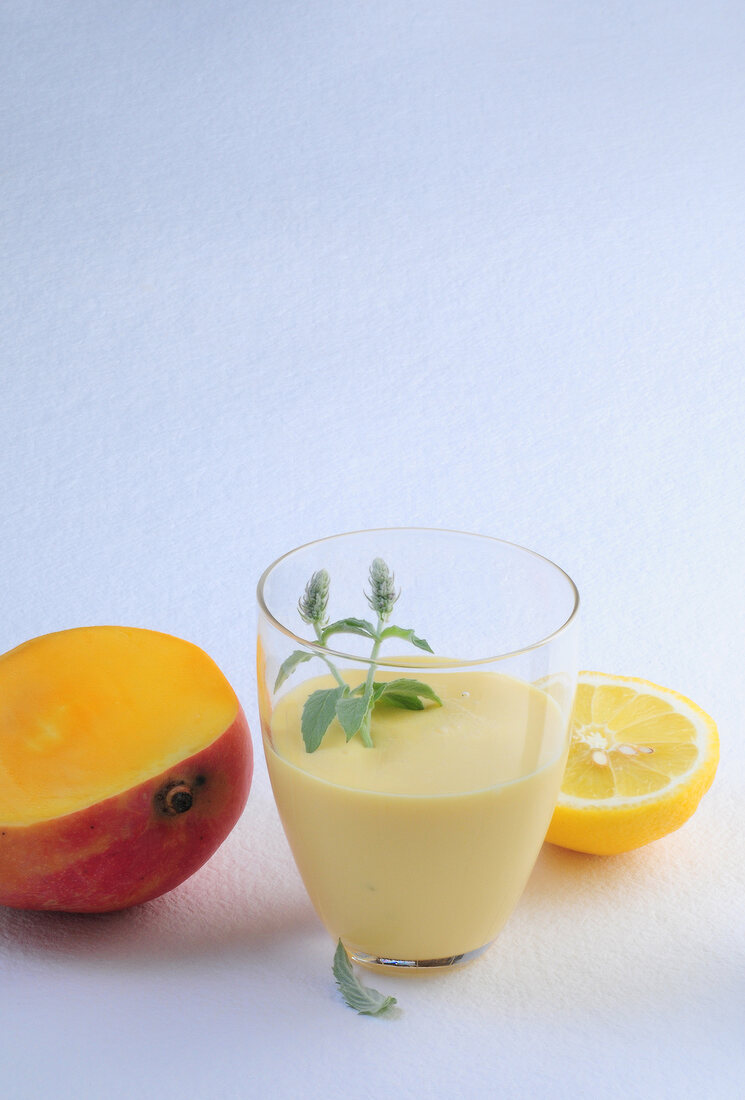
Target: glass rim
{"points": [[397, 663]]}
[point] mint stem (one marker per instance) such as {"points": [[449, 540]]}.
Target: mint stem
{"points": [[367, 740], [334, 670]]}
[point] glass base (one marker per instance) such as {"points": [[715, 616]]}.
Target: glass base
{"points": [[373, 961]]}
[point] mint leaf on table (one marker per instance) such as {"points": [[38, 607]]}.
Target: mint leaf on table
{"points": [[318, 714], [288, 667], [364, 1001]]}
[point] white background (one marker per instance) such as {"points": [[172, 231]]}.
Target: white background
{"points": [[275, 270]]}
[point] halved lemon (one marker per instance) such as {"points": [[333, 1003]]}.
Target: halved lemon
{"points": [[640, 760]]}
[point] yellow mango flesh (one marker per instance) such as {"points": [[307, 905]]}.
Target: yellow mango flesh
{"points": [[86, 714]]}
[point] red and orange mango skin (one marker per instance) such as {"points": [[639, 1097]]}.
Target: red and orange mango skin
{"points": [[130, 848]]}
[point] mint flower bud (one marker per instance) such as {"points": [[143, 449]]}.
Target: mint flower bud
{"points": [[383, 593], [312, 604]]}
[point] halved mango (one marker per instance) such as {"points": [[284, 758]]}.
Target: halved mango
{"points": [[125, 761]]}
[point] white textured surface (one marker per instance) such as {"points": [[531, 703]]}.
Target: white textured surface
{"points": [[276, 270]]}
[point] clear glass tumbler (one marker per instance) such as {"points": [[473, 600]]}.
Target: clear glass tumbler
{"points": [[415, 728]]}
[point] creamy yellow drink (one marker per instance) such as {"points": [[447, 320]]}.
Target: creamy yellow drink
{"points": [[419, 848]]}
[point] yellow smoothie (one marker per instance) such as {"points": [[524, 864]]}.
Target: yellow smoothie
{"points": [[420, 847]]}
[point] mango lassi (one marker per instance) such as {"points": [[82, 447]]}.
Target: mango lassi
{"points": [[418, 849]]}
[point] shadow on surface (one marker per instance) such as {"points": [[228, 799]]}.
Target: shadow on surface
{"points": [[624, 936], [169, 930]]}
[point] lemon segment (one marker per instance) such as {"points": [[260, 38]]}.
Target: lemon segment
{"points": [[641, 758]]}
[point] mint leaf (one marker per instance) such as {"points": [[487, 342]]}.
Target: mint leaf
{"points": [[288, 667], [407, 693], [364, 1001], [348, 626], [407, 702], [351, 713], [318, 714], [408, 635]]}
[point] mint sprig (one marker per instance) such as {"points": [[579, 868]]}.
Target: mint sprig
{"points": [[353, 707], [365, 1001]]}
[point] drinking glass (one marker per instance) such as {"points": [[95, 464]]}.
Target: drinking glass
{"points": [[415, 838]]}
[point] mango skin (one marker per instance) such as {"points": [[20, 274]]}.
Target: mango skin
{"points": [[128, 849]]}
